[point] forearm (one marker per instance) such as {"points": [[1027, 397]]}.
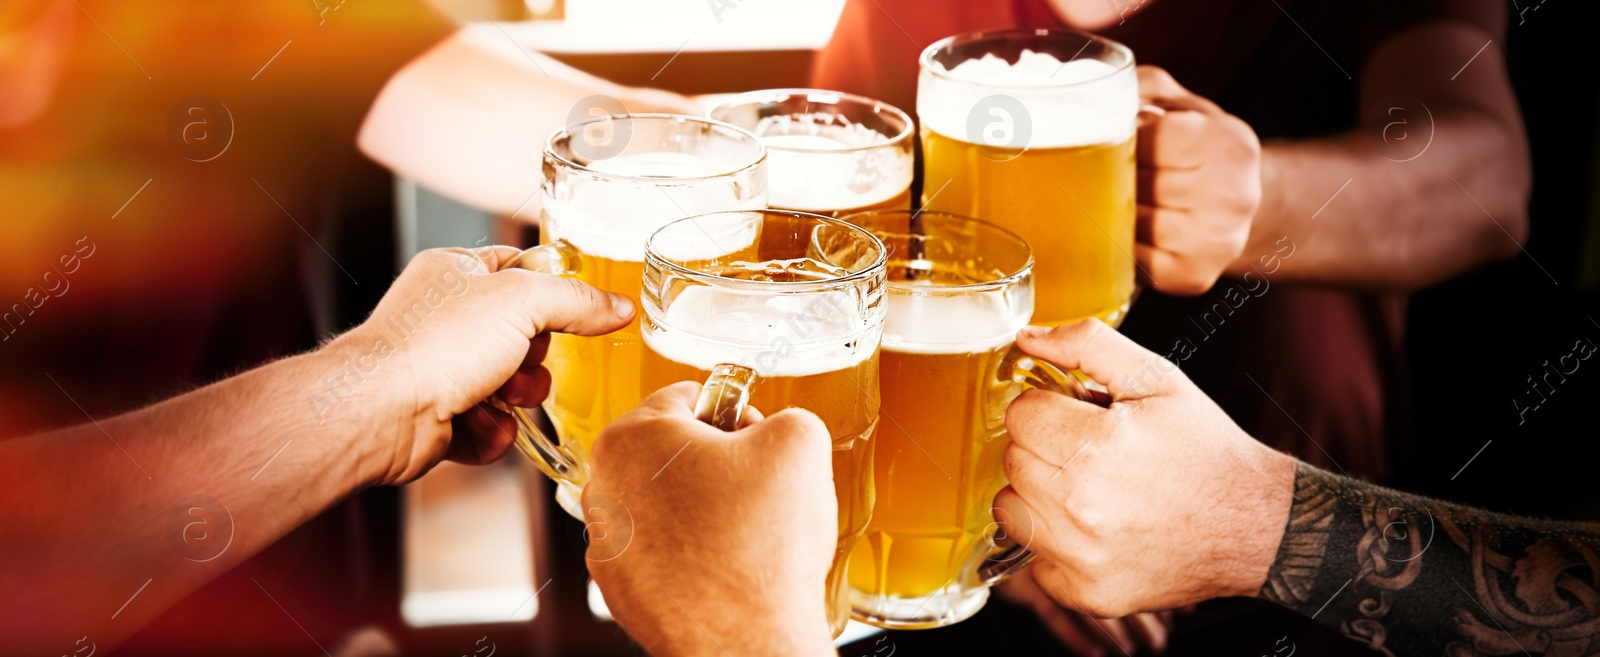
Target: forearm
{"points": [[469, 117], [1413, 576], [109, 523], [1363, 221]]}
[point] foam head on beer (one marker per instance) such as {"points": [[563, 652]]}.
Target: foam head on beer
{"points": [[825, 169], [612, 217], [943, 323], [777, 334], [1068, 103], [828, 152]]}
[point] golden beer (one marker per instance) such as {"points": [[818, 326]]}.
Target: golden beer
{"points": [[601, 200], [828, 152], [796, 301], [957, 292], [1034, 130], [939, 460], [1075, 206], [598, 376]]}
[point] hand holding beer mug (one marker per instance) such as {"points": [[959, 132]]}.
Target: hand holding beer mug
{"points": [[1034, 130], [609, 183], [775, 309], [827, 152], [958, 291], [671, 504], [1199, 186]]}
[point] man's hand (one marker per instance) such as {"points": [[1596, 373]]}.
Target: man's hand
{"points": [[1083, 634], [1199, 186], [1157, 502], [706, 542], [450, 331]]}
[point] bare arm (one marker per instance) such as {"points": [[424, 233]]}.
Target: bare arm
{"points": [[107, 524], [91, 527], [470, 116], [1402, 225]]}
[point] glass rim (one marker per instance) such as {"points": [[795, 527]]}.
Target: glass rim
{"points": [[741, 133], [925, 60], [1007, 280], [748, 97], [878, 263]]}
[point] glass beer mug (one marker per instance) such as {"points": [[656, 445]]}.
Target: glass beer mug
{"points": [[774, 309], [958, 290], [828, 152], [609, 183], [1034, 130]]}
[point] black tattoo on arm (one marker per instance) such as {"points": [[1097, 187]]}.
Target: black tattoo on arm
{"points": [[1407, 575]]}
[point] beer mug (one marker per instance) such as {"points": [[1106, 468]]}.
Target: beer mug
{"points": [[774, 309], [1034, 130], [609, 183], [958, 290], [828, 152]]}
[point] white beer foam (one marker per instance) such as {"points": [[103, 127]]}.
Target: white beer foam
{"points": [[947, 323], [708, 237], [776, 335], [815, 173], [613, 218], [1074, 103]]}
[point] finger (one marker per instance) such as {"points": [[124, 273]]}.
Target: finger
{"points": [[1108, 629], [495, 256], [1172, 230], [1170, 272], [752, 415], [538, 349], [1093, 347], [1054, 427], [481, 260], [1040, 485], [553, 303], [1013, 517], [676, 399], [480, 435], [1178, 189], [1158, 87], [797, 426], [1174, 140], [1149, 631], [1054, 581], [1066, 630], [526, 388]]}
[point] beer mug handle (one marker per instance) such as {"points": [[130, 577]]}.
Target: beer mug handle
{"points": [[1006, 557], [725, 396], [560, 259]]}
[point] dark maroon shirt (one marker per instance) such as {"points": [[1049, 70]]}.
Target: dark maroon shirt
{"points": [[1316, 372]]}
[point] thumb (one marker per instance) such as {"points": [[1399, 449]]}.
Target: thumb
{"points": [[553, 303], [1098, 350]]}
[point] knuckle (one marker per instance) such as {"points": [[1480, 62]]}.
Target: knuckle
{"points": [[796, 425], [1013, 463], [1091, 330], [1155, 74], [1022, 412]]}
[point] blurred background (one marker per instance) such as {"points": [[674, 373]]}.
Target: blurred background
{"points": [[205, 263]]}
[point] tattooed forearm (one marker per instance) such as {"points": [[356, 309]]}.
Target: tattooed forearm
{"points": [[1407, 575]]}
